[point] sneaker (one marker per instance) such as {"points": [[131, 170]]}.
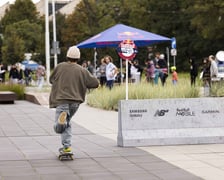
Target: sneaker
{"points": [[65, 150], [62, 117]]}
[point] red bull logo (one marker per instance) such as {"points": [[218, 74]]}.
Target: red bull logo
{"points": [[127, 49]]}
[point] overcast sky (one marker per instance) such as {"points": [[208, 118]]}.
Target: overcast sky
{"points": [[2, 2]]}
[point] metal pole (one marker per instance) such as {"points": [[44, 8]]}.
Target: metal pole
{"points": [[54, 35], [126, 79], [47, 45], [168, 60], [174, 60], [121, 71]]}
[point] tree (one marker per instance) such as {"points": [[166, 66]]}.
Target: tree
{"points": [[208, 18], [20, 10], [23, 31], [208, 21], [14, 51], [29, 32], [22, 26], [196, 25]]}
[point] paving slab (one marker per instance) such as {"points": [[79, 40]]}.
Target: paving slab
{"points": [[29, 149]]}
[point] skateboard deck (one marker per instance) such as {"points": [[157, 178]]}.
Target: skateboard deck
{"points": [[65, 156]]}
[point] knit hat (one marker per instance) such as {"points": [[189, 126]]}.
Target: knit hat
{"points": [[73, 52]]}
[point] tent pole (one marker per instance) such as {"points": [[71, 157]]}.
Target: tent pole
{"points": [[95, 61]]}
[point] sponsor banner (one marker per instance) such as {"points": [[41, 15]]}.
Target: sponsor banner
{"points": [[169, 114]]}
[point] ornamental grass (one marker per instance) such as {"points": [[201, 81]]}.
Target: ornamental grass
{"points": [[108, 99]]}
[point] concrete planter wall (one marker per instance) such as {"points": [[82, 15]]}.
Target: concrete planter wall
{"points": [[170, 121]]}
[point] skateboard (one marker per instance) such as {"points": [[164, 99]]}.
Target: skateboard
{"points": [[65, 156]]}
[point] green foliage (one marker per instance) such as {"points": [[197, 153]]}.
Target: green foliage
{"points": [[108, 99], [14, 50], [20, 10], [197, 26], [21, 37], [22, 31], [208, 18], [185, 20], [29, 32], [16, 88]]}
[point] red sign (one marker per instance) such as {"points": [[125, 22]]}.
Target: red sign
{"points": [[127, 50]]}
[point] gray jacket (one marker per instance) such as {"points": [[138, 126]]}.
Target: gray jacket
{"points": [[69, 84]]}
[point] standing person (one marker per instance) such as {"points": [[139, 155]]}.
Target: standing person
{"points": [[139, 67], [40, 73], [206, 77], [174, 75], [155, 62], [134, 72], [150, 71], [213, 68], [162, 68], [84, 65], [90, 67], [111, 71], [150, 52], [102, 70], [193, 71], [2, 73], [27, 73], [14, 74], [20, 72], [69, 85]]}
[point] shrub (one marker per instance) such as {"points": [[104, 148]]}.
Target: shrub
{"points": [[16, 88]]}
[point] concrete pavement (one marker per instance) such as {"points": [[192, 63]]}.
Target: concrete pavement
{"points": [[29, 149]]}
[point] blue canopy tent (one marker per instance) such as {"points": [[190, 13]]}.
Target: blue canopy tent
{"points": [[114, 35], [30, 64], [111, 37]]}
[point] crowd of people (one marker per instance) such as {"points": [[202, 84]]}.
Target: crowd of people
{"points": [[155, 68], [106, 72], [19, 74], [207, 70]]}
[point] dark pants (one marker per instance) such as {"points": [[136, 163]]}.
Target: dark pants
{"points": [[193, 80], [110, 84], [103, 80]]}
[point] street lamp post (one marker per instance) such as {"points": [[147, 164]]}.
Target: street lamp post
{"points": [[47, 48], [55, 46]]}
